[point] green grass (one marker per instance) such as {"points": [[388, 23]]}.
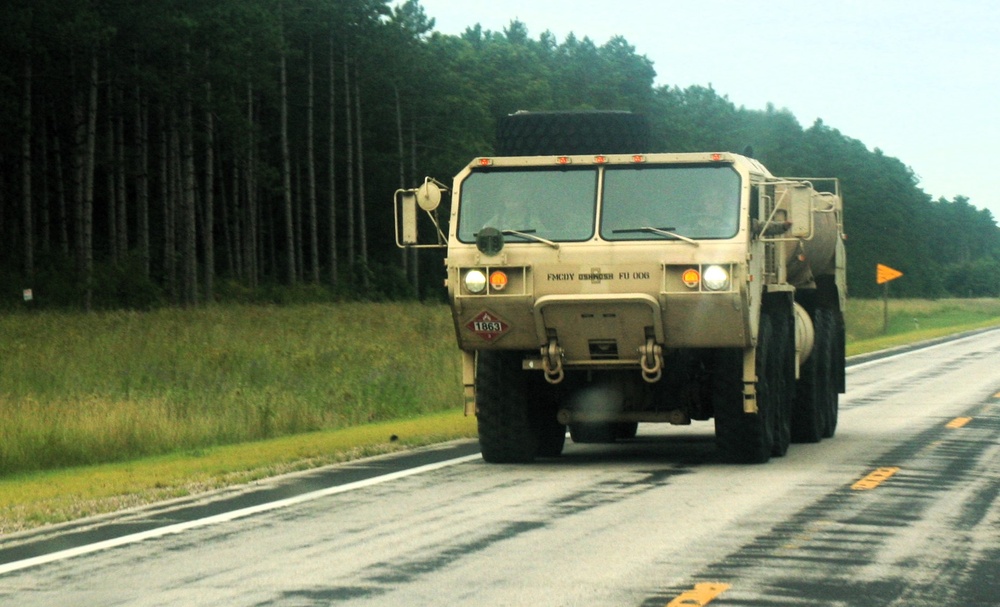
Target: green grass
{"points": [[100, 412], [84, 389], [55, 496], [912, 320]]}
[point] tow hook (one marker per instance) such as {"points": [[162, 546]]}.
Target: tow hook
{"points": [[552, 356], [651, 361]]}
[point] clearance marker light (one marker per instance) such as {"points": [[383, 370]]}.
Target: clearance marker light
{"points": [[564, 160], [498, 280], [716, 157], [485, 162], [638, 158], [600, 159], [691, 277]]}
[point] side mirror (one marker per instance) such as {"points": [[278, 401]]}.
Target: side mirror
{"points": [[429, 196], [407, 201], [407, 206]]}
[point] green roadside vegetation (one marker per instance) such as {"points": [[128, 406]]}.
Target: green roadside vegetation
{"points": [[914, 320], [41, 498], [101, 412]]}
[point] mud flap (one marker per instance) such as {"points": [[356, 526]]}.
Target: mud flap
{"points": [[469, 382], [750, 380]]}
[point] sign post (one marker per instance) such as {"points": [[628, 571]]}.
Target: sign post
{"points": [[884, 274]]}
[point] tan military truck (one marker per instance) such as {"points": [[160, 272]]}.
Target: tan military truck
{"points": [[595, 289]]}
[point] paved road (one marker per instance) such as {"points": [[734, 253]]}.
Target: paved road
{"points": [[899, 509]]}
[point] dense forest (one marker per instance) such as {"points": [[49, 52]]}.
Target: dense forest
{"points": [[180, 152]]}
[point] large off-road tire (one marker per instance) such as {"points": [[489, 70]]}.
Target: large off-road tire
{"points": [[579, 132], [781, 379], [506, 432], [516, 410], [815, 415], [834, 335], [745, 438], [810, 412]]}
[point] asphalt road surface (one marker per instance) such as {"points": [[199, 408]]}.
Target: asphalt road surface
{"points": [[899, 509]]}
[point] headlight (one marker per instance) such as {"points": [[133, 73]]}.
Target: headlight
{"points": [[475, 281], [715, 278]]}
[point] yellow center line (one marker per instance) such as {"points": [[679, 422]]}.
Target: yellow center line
{"points": [[699, 596], [958, 422], [875, 479]]}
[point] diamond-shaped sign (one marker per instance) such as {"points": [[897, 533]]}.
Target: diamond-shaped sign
{"points": [[487, 325]]}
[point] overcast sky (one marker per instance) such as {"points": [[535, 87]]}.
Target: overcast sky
{"points": [[919, 79]]}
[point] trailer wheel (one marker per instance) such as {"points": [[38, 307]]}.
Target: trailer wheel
{"points": [[744, 438], [575, 132], [507, 433]]}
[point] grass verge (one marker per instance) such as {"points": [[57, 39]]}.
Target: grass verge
{"points": [[41, 498], [914, 320]]}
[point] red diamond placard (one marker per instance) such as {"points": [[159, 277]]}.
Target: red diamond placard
{"points": [[487, 325]]}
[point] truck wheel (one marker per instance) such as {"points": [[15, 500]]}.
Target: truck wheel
{"points": [[577, 132], [818, 402], [744, 438], [832, 332], [507, 433], [781, 370], [811, 395]]}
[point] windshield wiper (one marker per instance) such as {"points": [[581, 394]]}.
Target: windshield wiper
{"points": [[530, 235], [660, 231]]}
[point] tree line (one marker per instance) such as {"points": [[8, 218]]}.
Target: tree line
{"points": [[180, 152]]}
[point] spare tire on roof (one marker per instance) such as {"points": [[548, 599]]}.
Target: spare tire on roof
{"points": [[576, 132]]}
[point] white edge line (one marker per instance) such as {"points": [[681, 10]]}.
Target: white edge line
{"points": [[228, 516]]}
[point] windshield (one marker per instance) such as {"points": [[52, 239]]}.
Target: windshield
{"points": [[699, 202], [555, 205]]}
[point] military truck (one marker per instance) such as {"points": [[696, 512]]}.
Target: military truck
{"points": [[595, 286]]}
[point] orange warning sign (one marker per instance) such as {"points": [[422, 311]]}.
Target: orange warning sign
{"points": [[884, 274]]}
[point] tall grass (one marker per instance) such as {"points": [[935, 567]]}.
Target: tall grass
{"points": [[89, 388]]}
